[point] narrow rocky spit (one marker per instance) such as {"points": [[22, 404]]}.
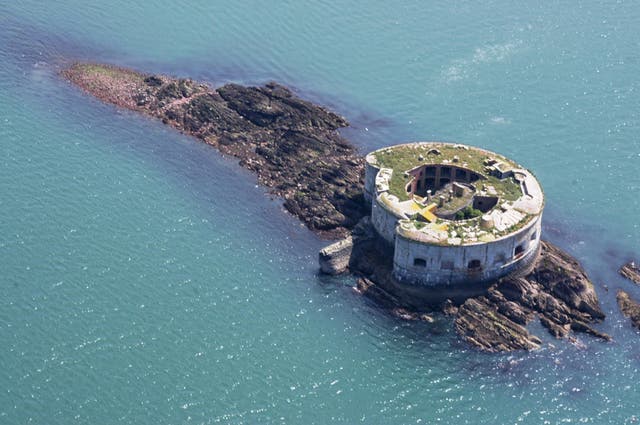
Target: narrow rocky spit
{"points": [[292, 145], [295, 150]]}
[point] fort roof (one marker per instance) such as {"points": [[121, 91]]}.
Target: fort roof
{"points": [[479, 196], [402, 158]]}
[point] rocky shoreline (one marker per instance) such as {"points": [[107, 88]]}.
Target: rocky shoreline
{"points": [[295, 150], [556, 291]]}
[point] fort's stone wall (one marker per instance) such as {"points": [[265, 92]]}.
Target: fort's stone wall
{"points": [[384, 219], [419, 262], [423, 264], [370, 173]]}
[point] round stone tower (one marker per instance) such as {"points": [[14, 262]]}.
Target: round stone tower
{"points": [[453, 214]]}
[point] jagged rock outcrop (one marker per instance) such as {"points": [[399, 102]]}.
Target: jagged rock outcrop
{"points": [[629, 307], [556, 290], [631, 271], [480, 323], [291, 145]]}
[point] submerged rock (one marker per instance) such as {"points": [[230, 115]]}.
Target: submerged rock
{"points": [[629, 307], [631, 271]]}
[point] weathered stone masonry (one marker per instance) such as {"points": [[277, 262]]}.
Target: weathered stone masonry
{"points": [[504, 239]]}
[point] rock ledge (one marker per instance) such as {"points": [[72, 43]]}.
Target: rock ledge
{"points": [[556, 291], [631, 271]]}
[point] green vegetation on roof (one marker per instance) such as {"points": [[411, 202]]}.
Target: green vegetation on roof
{"points": [[406, 157]]}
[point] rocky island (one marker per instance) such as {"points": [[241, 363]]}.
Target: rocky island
{"points": [[295, 150]]}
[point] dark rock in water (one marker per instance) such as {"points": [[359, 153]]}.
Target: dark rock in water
{"points": [[367, 287], [404, 314], [275, 106], [579, 326], [512, 310], [557, 290], [449, 308], [556, 329], [631, 271], [629, 307], [562, 277], [480, 323]]}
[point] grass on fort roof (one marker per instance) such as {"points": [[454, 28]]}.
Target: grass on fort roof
{"points": [[404, 158]]}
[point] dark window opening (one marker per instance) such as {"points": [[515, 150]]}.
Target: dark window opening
{"points": [[484, 203], [533, 236], [445, 171], [518, 251], [430, 183], [474, 265], [420, 262]]}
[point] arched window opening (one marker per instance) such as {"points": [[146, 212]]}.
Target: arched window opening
{"points": [[534, 235], [474, 265], [518, 251], [420, 262]]}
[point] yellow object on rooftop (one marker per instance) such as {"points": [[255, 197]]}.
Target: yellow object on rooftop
{"points": [[431, 207], [415, 206], [427, 213], [442, 227]]}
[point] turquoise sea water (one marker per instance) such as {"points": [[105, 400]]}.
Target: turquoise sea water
{"points": [[145, 279]]}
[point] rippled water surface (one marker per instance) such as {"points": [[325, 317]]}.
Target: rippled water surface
{"points": [[147, 280]]}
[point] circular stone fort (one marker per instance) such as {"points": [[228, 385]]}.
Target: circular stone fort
{"points": [[453, 214]]}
